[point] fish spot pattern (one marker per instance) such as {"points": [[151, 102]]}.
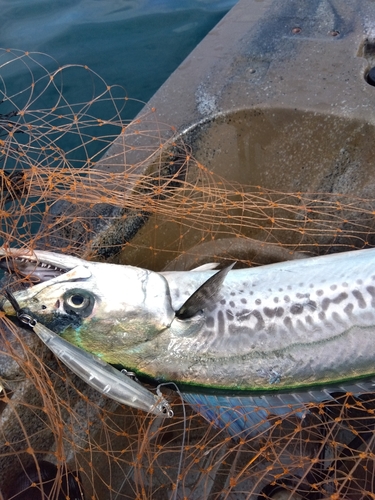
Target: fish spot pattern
{"points": [[210, 322], [272, 313], [340, 298], [296, 309], [220, 323], [361, 301], [348, 309], [371, 291], [229, 315], [271, 319]]}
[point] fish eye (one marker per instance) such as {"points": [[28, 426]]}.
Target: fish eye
{"points": [[79, 302]]}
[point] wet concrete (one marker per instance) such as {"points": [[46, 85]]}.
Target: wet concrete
{"points": [[283, 151], [275, 95]]}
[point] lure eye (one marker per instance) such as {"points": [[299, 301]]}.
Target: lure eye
{"points": [[79, 302]]}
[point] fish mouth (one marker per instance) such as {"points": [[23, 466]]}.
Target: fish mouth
{"points": [[42, 269], [37, 266]]}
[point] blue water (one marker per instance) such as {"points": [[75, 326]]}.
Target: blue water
{"points": [[134, 43]]}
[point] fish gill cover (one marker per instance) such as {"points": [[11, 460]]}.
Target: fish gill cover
{"points": [[61, 439]]}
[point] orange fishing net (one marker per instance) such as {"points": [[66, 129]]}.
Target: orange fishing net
{"points": [[149, 203]]}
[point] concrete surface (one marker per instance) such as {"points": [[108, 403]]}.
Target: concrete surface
{"points": [[295, 68]]}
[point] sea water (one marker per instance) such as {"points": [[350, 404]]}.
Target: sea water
{"points": [[133, 43]]}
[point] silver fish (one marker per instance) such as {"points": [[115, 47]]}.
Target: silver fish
{"points": [[287, 326], [283, 326]]}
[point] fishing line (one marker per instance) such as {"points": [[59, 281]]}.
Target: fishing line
{"points": [[159, 393]]}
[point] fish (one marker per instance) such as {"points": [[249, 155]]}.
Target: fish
{"points": [[277, 335]]}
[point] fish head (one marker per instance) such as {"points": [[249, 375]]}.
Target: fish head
{"points": [[100, 307]]}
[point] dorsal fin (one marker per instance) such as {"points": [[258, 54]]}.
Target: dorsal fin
{"points": [[204, 296], [206, 267]]}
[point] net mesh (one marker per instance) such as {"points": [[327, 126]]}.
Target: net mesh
{"points": [[151, 203]]}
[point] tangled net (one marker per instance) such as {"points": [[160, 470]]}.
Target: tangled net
{"points": [[146, 201]]}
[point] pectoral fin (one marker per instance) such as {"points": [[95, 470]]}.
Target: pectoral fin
{"points": [[205, 295]]}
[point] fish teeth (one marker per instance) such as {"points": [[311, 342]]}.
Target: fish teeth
{"points": [[40, 264]]}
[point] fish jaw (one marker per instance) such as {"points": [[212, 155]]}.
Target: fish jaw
{"points": [[37, 265], [102, 308]]}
